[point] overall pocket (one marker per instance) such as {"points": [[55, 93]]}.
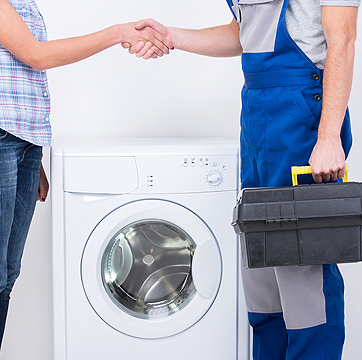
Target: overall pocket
{"points": [[258, 21], [310, 109]]}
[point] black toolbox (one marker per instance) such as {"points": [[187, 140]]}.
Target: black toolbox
{"points": [[300, 225]]}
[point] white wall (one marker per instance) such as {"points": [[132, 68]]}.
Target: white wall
{"points": [[117, 95]]}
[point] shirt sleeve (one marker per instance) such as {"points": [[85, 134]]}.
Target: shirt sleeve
{"points": [[340, 2]]}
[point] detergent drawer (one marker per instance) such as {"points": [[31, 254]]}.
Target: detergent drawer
{"points": [[300, 225]]}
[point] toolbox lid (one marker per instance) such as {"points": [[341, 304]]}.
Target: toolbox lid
{"points": [[298, 207]]}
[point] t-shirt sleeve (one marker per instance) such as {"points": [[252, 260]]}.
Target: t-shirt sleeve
{"points": [[340, 2]]}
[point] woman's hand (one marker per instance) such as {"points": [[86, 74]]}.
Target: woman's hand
{"points": [[43, 185]]}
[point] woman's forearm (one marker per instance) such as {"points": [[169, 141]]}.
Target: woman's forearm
{"points": [[16, 37]]}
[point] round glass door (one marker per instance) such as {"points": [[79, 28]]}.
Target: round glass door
{"points": [[151, 269], [146, 268]]}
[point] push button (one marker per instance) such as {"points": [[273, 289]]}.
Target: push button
{"points": [[316, 77], [317, 97]]}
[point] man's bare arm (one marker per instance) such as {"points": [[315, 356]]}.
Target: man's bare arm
{"points": [[339, 26]]}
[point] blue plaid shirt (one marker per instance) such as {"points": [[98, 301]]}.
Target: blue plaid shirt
{"points": [[24, 93]]}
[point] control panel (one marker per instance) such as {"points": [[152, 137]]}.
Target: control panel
{"points": [[213, 169], [150, 166], [188, 173]]}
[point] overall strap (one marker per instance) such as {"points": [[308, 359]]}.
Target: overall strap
{"points": [[231, 4]]}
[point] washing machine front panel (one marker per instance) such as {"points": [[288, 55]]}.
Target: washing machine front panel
{"points": [[158, 269]]}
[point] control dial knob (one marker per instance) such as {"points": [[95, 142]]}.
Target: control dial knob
{"points": [[214, 178]]}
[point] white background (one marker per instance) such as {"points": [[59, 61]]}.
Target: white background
{"points": [[115, 94]]}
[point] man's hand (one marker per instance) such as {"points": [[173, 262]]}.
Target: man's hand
{"points": [[327, 160]]}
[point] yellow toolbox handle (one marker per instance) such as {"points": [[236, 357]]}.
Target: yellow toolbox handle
{"points": [[301, 170]]}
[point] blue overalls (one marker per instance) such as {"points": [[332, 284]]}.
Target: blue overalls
{"points": [[297, 313]]}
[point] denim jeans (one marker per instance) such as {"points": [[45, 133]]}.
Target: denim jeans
{"points": [[19, 183]]}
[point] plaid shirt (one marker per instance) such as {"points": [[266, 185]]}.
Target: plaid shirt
{"points": [[24, 93]]}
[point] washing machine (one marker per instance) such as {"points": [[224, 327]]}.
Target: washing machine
{"points": [[145, 261]]}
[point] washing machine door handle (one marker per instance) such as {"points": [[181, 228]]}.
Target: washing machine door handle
{"points": [[206, 269]]}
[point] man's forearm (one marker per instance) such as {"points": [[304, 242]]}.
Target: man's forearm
{"points": [[337, 79], [220, 41]]}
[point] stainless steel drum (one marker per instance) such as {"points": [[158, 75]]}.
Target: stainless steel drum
{"points": [[146, 268]]}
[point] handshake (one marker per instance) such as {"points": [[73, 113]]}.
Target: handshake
{"points": [[147, 39]]}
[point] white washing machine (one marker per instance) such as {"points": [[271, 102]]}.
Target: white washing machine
{"points": [[145, 261]]}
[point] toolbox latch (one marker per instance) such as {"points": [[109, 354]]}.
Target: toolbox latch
{"points": [[281, 223]]}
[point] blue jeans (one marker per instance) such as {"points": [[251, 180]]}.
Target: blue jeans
{"points": [[19, 183]]}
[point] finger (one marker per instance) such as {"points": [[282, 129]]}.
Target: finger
{"points": [[126, 45], [156, 51], [315, 174], [340, 173], [42, 194], [333, 175], [161, 46], [326, 177], [152, 24], [163, 43], [43, 190], [151, 52], [141, 24], [144, 50], [136, 47], [317, 178]]}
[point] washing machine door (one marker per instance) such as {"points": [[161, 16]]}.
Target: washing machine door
{"points": [[151, 269]]}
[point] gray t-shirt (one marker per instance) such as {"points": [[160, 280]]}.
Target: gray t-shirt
{"points": [[303, 20]]}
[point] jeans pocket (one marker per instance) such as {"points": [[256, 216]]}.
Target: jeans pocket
{"points": [[3, 134]]}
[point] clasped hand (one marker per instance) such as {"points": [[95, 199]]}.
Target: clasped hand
{"points": [[151, 40]]}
